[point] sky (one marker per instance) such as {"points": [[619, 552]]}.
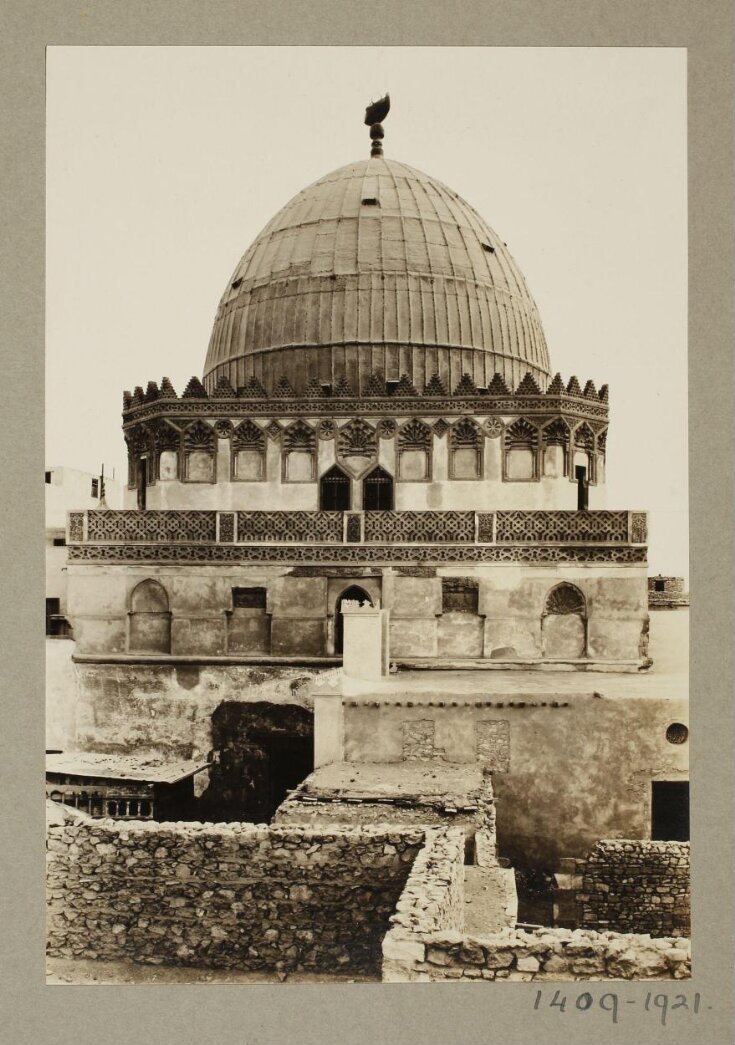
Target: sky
{"points": [[164, 163]]}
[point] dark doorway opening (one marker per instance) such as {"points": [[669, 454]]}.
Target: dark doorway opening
{"points": [[260, 752], [141, 477], [670, 810], [353, 593], [580, 474], [377, 491], [335, 491]]}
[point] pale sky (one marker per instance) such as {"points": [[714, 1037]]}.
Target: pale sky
{"points": [[163, 164]]}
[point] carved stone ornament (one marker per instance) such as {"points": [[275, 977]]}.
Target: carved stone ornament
{"points": [[494, 427], [639, 528], [565, 599], [326, 429], [274, 430], [441, 427], [354, 529], [223, 429], [354, 553], [227, 526], [386, 428]]}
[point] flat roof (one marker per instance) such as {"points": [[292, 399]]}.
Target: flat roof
{"points": [[149, 768], [456, 784]]}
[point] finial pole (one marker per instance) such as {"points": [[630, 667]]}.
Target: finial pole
{"points": [[375, 113], [376, 139], [103, 502]]}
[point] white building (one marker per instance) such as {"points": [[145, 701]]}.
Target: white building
{"points": [[67, 488]]}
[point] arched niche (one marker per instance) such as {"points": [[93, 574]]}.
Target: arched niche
{"points": [[149, 619], [299, 453], [354, 593], [564, 623]]}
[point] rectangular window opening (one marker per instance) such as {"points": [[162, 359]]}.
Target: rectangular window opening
{"points": [[248, 598], [95, 487]]}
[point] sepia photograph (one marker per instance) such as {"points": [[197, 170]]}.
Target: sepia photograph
{"points": [[366, 487]]}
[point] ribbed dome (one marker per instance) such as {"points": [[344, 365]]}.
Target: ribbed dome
{"points": [[376, 268]]}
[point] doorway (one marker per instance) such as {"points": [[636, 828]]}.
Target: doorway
{"points": [[377, 491], [352, 594], [335, 491], [670, 810], [141, 477], [580, 474], [261, 751]]}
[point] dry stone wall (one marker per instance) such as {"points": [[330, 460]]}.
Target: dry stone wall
{"points": [[427, 941], [225, 895], [637, 886], [544, 954]]}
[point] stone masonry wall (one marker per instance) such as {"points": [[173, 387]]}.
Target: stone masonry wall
{"points": [[427, 941], [544, 954], [432, 900], [225, 895], [637, 885]]}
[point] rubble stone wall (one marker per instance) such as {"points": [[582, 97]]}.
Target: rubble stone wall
{"points": [[544, 954], [432, 900], [225, 895], [427, 941], [638, 886]]}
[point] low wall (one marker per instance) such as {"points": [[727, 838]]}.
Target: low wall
{"points": [[427, 941], [432, 899], [637, 885], [228, 896], [545, 954]]}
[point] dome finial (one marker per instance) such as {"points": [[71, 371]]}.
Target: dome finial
{"points": [[375, 113]]}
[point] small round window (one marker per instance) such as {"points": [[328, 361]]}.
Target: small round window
{"points": [[677, 733]]}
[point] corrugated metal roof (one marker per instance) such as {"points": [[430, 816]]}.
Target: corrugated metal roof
{"points": [[123, 767], [413, 281]]}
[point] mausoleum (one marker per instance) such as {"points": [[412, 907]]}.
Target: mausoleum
{"points": [[378, 471], [377, 418]]}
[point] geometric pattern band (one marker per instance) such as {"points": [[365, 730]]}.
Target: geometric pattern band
{"points": [[289, 526], [604, 526], [151, 525], [355, 553], [388, 527], [455, 526]]}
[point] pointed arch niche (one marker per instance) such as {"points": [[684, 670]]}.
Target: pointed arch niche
{"points": [[564, 623], [149, 619]]}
